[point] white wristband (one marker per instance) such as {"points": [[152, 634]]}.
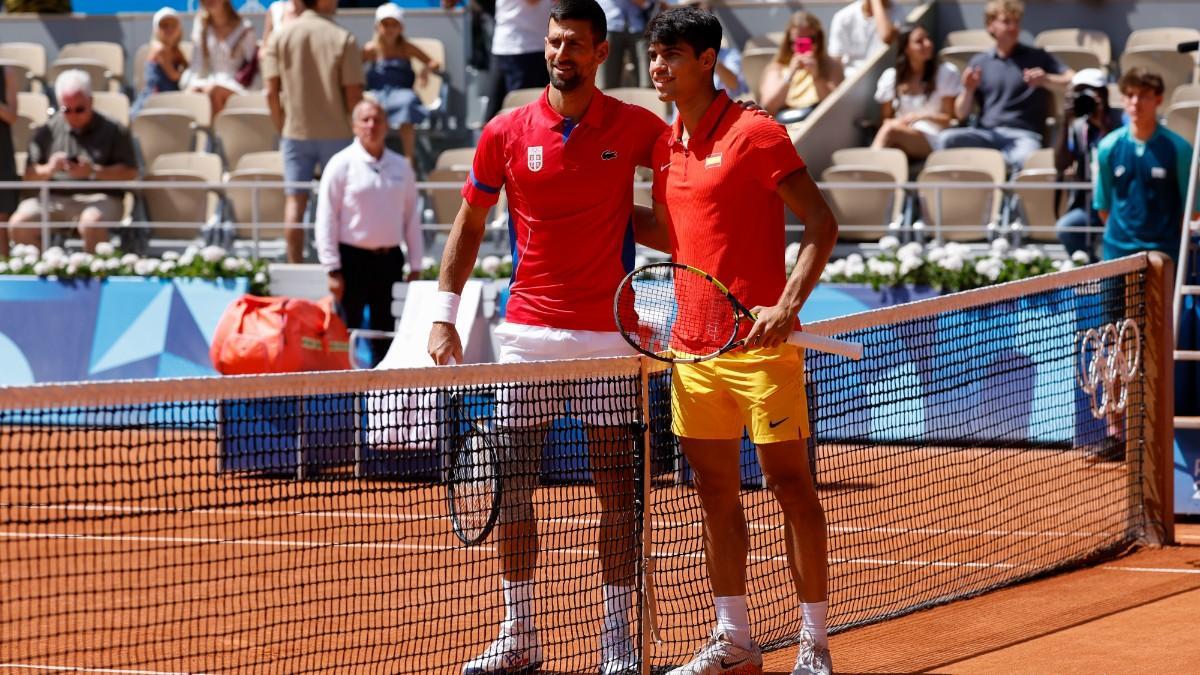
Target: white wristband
{"points": [[445, 306]]}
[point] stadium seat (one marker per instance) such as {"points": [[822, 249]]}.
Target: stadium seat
{"points": [[765, 41], [1160, 38], [242, 131], [197, 105], [102, 77], [754, 64], [519, 97], [1076, 58], [864, 214], [111, 54], [1176, 69], [191, 206], [33, 105], [962, 207], [112, 104], [434, 92], [1181, 118], [1072, 39], [892, 160], [643, 196], [244, 210], [456, 158], [1038, 205], [21, 157], [445, 202], [22, 132], [976, 37], [32, 56], [1184, 93], [270, 161], [959, 55], [641, 96], [158, 132]]}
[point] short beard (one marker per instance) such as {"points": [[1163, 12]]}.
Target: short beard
{"points": [[567, 85]]}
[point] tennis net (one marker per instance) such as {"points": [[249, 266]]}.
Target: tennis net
{"points": [[300, 523]]}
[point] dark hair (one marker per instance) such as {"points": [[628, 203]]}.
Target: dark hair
{"points": [[698, 29], [312, 4], [582, 10], [904, 68], [1140, 78]]}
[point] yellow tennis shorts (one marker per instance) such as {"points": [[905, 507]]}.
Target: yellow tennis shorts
{"points": [[758, 389]]}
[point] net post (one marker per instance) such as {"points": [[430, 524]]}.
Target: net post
{"points": [[1159, 365], [646, 624]]}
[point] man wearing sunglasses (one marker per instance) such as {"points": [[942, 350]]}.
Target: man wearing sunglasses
{"points": [[76, 144]]}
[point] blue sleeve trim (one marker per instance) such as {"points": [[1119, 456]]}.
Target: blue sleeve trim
{"points": [[481, 186]]}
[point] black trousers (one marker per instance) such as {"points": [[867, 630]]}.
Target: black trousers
{"points": [[368, 276]]}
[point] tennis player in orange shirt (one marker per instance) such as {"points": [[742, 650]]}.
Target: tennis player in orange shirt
{"points": [[722, 177]]}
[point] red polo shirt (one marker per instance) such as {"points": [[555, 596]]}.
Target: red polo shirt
{"points": [[570, 203], [720, 190]]}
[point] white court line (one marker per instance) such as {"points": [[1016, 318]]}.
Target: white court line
{"points": [[412, 517], [1190, 537], [1152, 570], [81, 669]]}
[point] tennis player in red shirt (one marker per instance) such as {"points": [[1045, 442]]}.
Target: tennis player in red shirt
{"points": [[722, 176], [567, 161]]}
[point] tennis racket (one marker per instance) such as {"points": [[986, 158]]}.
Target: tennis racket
{"points": [[473, 476], [679, 314]]}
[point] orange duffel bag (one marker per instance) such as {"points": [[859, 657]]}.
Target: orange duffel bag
{"points": [[280, 335]]}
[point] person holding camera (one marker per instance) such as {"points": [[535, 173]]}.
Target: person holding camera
{"points": [[802, 73], [1089, 118]]}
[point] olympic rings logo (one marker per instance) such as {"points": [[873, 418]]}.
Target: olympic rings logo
{"points": [[1108, 364]]}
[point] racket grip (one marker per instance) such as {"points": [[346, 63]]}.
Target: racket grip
{"points": [[850, 350]]}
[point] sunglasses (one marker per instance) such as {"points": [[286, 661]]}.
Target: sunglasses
{"points": [[74, 111]]}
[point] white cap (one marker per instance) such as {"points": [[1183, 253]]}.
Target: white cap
{"points": [[1090, 77], [389, 10], [161, 14]]}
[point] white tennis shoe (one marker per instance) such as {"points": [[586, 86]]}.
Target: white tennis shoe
{"points": [[812, 660], [720, 655], [512, 653], [617, 654]]}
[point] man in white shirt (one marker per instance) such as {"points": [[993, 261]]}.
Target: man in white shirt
{"points": [[368, 205], [860, 29], [517, 45]]}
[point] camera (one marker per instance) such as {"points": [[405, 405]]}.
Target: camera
{"points": [[1082, 102]]}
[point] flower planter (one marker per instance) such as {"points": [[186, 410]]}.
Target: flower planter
{"points": [[115, 328]]}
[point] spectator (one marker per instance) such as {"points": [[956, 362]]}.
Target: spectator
{"points": [[1008, 82], [1089, 118], [226, 58], [860, 29], [917, 96], [626, 25], [390, 76], [8, 163], [1141, 177], [165, 61], [367, 206], [727, 73], [278, 15], [77, 144], [314, 67], [802, 74], [518, 61]]}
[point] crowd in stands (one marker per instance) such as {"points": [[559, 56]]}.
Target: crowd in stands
{"points": [[992, 93]]}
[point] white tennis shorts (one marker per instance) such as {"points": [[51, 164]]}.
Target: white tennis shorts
{"points": [[597, 403]]}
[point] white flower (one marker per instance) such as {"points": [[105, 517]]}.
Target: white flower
{"points": [[105, 248], [912, 249], [40, 268], [889, 243], [54, 252], [951, 262], [32, 251], [490, 264], [792, 253], [1064, 265], [427, 262], [247, 265], [887, 269], [212, 254], [166, 267], [231, 264], [97, 266], [170, 255], [1000, 246], [836, 267], [908, 265], [145, 267], [958, 250], [79, 259], [825, 275], [112, 264], [855, 266], [129, 259], [936, 253], [1080, 258], [1025, 255], [72, 269], [53, 263], [988, 267], [260, 278], [18, 250], [3, 267]]}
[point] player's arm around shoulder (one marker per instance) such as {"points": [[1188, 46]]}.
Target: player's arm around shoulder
{"points": [[652, 225]]}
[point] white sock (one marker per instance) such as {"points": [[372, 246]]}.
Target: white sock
{"points": [[814, 621], [518, 606], [618, 600], [733, 619]]}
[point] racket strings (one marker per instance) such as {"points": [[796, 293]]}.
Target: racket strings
{"points": [[672, 309]]}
